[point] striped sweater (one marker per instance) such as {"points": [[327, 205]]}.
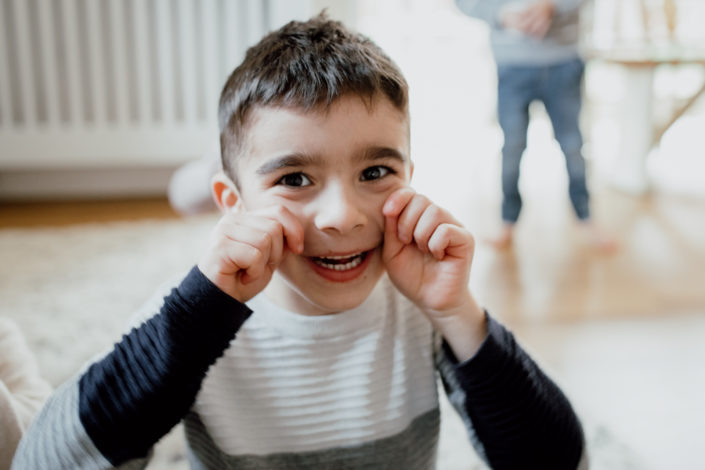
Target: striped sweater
{"points": [[278, 390], [22, 388]]}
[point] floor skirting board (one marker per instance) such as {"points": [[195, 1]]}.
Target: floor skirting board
{"points": [[77, 183]]}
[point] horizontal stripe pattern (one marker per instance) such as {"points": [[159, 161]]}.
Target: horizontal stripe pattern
{"points": [[414, 448], [297, 389]]}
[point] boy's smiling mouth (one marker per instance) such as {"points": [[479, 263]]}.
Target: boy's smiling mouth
{"points": [[341, 268]]}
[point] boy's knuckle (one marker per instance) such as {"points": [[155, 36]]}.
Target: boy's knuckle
{"points": [[257, 256], [280, 212], [265, 239], [275, 228], [221, 243], [435, 211], [471, 239], [421, 199]]}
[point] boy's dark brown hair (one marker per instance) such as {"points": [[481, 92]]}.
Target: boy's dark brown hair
{"points": [[305, 65]]}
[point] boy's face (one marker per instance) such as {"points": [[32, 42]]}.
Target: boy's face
{"points": [[333, 169]]}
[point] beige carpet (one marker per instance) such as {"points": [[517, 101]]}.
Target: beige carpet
{"points": [[72, 291]]}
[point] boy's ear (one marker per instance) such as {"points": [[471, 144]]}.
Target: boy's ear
{"points": [[225, 193]]}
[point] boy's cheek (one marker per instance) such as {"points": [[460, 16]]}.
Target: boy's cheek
{"points": [[398, 184]]}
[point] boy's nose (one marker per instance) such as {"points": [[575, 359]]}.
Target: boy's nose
{"points": [[339, 210]]}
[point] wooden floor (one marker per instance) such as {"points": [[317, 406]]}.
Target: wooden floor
{"points": [[63, 213]]}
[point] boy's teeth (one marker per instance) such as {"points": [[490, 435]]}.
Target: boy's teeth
{"points": [[340, 263], [341, 257]]}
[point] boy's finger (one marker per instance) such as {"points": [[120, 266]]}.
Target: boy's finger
{"points": [[242, 257], [292, 228], [256, 268], [396, 201], [425, 227], [409, 217], [253, 236], [253, 273], [392, 244], [451, 240], [271, 231]]}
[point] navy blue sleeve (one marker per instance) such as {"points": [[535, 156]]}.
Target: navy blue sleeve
{"points": [[143, 388], [518, 414]]}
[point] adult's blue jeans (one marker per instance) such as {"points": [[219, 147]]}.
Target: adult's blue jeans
{"points": [[558, 86]]}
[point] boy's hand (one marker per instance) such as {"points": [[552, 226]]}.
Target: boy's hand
{"points": [[426, 251], [246, 247], [428, 255]]}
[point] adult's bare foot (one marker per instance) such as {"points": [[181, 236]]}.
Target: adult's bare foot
{"points": [[602, 242]]}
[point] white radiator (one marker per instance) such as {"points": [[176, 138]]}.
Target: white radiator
{"points": [[105, 83]]}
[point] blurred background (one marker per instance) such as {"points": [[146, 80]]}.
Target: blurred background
{"points": [[100, 102]]}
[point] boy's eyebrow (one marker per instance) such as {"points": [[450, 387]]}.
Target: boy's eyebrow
{"points": [[376, 153], [286, 161]]}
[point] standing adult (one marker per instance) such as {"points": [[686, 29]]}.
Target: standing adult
{"points": [[535, 47]]}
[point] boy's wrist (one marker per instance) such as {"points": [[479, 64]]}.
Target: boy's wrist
{"points": [[464, 327]]}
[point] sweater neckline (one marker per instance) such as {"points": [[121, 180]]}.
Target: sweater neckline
{"points": [[366, 316]]}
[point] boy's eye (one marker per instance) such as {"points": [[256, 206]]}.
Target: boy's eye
{"points": [[297, 180], [375, 173]]}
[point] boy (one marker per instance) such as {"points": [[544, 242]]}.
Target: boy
{"points": [[535, 47], [307, 335]]}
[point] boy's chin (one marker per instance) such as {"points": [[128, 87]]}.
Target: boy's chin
{"points": [[317, 302], [331, 305], [343, 306]]}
